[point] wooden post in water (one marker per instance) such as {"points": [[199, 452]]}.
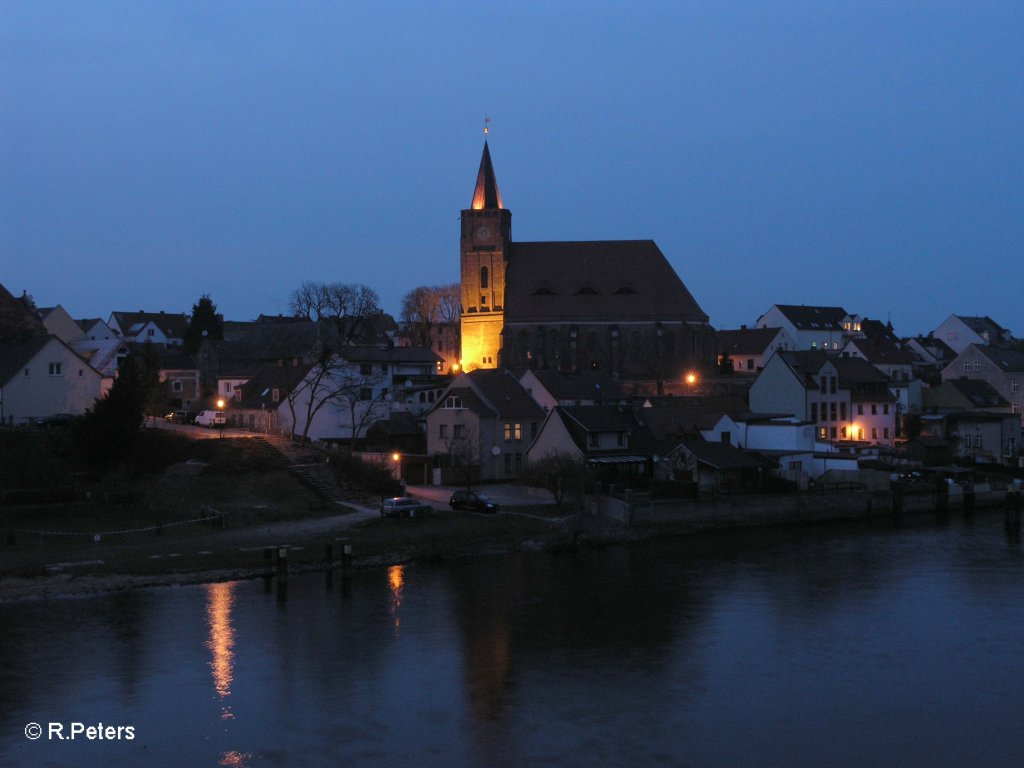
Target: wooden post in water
{"points": [[282, 565], [345, 546]]}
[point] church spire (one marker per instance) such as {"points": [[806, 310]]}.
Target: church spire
{"points": [[486, 195]]}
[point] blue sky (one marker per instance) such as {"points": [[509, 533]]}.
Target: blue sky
{"points": [[862, 154]]}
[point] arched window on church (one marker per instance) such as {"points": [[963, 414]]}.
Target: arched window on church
{"points": [[483, 277]]}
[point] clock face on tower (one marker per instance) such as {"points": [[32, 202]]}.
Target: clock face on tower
{"points": [[483, 232]]}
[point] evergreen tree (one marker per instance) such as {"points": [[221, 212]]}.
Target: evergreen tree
{"points": [[205, 323]]}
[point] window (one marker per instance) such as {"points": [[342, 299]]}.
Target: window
{"points": [[517, 430], [842, 432], [833, 412], [365, 369], [874, 409], [874, 433], [459, 431], [483, 277], [885, 432], [442, 431], [795, 466], [977, 365], [842, 411], [176, 386], [814, 411], [594, 440], [149, 332], [832, 432], [508, 463], [977, 441], [860, 409], [832, 385], [26, 371], [750, 363], [275, 395], [823, 385], [861, 436], [519, 462], [823, 433], [508, 431], [55, 369], [885, 409], [453, 401], [1015, 386], [423, 397]]}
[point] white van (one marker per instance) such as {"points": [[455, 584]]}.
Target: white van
{"points": [[211, 419]]}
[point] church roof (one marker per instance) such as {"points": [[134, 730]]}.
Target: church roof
{"points": [[486, 195], [603, 280]]}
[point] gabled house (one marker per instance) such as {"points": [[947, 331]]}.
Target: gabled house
{"points": [[717, 467], [58, 322], [965, 394], [42, 376], [96, 329], [551, 388], [846, 397], [749, 348], [1001, 366], [930, 357], [820, 328], [261, 403], [341, 396], [609, 438], [18, 317], [155, 327], [960, 331], [485, 419]]}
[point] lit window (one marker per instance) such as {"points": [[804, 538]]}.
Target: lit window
{"points": [[518, 431], [508, 431]]}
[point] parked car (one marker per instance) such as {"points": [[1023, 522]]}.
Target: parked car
{"points": [[211, 419], [404, 506], [477, 502], [181, 417], [56, 420]]}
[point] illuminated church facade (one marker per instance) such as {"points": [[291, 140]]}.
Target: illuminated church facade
{"points": [[615, 306]]}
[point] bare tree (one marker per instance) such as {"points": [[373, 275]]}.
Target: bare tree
{"points": [[358, 394], [427, 307], [348, 307], [463, 448]]}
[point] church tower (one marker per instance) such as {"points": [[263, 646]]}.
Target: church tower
{"points": [[486, 236]]}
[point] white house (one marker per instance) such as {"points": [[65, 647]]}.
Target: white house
{"points": [[821, 328], [750, 348], [155, 327], [960, 331], [43, 376]]}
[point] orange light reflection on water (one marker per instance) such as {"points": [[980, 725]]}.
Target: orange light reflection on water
{"points": [[396, 579], [219, 600]]}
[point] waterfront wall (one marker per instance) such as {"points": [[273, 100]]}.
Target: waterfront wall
{"points": [[727, 511]]}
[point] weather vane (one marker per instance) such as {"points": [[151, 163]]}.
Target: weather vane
{"points": [[486, 127]]}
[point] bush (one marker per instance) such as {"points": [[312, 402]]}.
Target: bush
{"points": [[369, 478]]}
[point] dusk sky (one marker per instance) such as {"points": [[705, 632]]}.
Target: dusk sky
{"points": [[861, 154]]}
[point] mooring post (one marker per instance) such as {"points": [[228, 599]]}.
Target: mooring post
{"points": [[345, 546], [282, 565]]}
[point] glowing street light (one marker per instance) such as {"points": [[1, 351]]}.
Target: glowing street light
{"points": [[691, 378]]}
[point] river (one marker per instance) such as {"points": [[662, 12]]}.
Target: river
{"points": [[861, 645]]}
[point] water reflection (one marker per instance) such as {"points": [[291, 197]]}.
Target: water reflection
{"points": [[235, 759], [219, 599], [396, 580]]}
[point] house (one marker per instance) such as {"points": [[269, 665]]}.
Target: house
{"points": [[615, 306], [58, 322], [846, 397], [551, 388], [18, 317], [965, 394], [155, 327], [608, 438], [821, 328], [748, 349], [484, 420], [341, 396], [983, 437], [42, 376], [717, 467], [261, 403], [930, 356], [960, 331], [96, 329], [1001, 366]]}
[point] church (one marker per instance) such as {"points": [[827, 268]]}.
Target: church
{"points": [[615, 306]]}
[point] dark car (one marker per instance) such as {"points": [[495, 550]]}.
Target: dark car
{"points": [[56, 420], [473, 501], [181, 417], [404, 506]]}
